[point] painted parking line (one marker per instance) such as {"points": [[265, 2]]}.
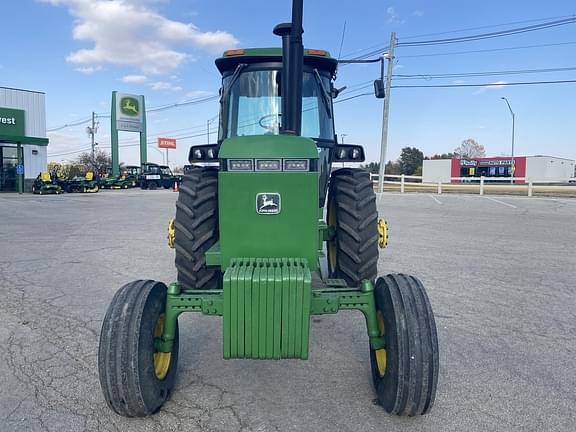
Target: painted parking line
{"points": [[435, 199], [500, 202]]}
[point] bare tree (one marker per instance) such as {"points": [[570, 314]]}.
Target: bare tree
{"points": [[469, 149]]}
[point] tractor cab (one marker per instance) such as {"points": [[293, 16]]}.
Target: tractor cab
{"points": [[251, 94]]}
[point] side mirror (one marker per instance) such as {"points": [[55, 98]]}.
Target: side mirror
{"points": [[335, 92], [379, 89]]}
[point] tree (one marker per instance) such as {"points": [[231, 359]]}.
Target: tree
{"points": [[441, 156], [99, 164], [410, 159], [372, 167], [393, 167], [469, 149]]}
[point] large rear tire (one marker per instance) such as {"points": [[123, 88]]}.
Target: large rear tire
{"points": [[136, 379], [405, 372], [196, 228], [353, 253]]}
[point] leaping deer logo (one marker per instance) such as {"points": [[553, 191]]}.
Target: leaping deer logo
{"points": [[129, 106], [268, 203]]}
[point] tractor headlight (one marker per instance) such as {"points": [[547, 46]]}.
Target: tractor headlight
{"points": [[198, 154], [340, 153], [240, 165], [211, 153], [268, 165], [296, 164], [354, 153]]}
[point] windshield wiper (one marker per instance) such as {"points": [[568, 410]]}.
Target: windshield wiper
{"points": [[324, 93], [235, 76]]}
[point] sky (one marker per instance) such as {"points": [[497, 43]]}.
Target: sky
{"points": [[79, 51]]}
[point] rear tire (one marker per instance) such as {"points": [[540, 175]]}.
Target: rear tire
{"points": [[196, 227], [126, 363], [407, 385], [353, 253]]}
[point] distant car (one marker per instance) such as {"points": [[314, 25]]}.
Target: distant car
{"points": [[154, 176]]}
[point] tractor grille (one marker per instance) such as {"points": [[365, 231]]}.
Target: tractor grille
{"points": [[267, 308]]}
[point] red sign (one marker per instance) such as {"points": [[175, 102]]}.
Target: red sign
{"points": [[167, 143]]}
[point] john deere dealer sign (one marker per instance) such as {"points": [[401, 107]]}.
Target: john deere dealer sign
{"points": [[12, 122], [129, 112]]}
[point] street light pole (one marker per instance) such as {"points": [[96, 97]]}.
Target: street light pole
{"points": [[513, 121]]}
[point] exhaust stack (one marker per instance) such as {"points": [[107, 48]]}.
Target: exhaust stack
{"points": [[292, 64]]}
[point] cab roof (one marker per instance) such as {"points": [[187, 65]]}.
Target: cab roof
{"points": [[232, 58]]}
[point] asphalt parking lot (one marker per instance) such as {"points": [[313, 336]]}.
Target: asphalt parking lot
{"points": [[500, 273]]}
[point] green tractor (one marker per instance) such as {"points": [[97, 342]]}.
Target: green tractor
{"points": [[253, 219]]}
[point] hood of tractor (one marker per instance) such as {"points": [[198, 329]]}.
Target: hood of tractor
{"points": [[268, 198]]}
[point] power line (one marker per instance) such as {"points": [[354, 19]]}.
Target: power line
{"points": [[491, 35], [481, 74], [488, 50], [486, 84], [487, 26], [67, 125]]}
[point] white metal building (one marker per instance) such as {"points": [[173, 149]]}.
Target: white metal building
{"points": [[526, 168], [23, 141]]}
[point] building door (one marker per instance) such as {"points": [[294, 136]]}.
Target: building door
{"points": [[8, 162]]}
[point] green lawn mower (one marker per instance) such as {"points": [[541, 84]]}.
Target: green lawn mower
{"points": [[253, 218], [86, 184], [44, 184]]}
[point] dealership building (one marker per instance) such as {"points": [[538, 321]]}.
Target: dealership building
{"points": [[23, 141], [525, 168]]}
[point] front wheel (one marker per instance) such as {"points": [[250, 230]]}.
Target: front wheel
{"points": [[405, 372], [135, 378]]}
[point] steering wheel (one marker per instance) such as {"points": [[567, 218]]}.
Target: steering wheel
{"points": [[270, 122]]}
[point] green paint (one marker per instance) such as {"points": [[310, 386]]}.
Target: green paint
{"points": [[143, 136], [266, 308], [268, 146], [12, 122], [15, 139], [114, 138]]}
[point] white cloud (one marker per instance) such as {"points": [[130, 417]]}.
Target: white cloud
{"points": [[134, 79], [494, 86], [132, 33], [393, 17], [88, 70], [164, 86], [418, 13]]}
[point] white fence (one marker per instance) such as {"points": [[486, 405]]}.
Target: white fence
{"points": [[522, 185]]}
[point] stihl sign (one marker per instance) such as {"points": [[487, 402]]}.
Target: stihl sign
{"points": [[167, 143]]}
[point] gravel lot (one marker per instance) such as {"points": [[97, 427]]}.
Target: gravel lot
{"points": [[500, 272]]}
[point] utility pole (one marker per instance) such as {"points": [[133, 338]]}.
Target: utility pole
{"points": [[385, 115], [208, 130], [91, 130], [513, 165]]}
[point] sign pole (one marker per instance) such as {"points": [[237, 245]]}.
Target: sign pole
{"points": [[114, 138], [143, 138]]}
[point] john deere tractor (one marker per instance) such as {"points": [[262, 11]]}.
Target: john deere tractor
{"points": [[253, 219]]}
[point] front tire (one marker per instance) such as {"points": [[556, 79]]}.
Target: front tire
{"points": [[405, 372], [196, 227], [353, 252], [135, 379]]}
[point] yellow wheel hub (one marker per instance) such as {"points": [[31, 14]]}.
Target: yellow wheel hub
{"points": [[331, 244], [382, 233], [381, 353], [161, 359], [171, 233]]}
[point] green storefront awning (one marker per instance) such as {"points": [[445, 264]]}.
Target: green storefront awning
{"points": [[24, 140]]}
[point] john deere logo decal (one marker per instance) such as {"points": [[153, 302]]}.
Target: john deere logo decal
{"points": [[129, 106], [268, 203]]}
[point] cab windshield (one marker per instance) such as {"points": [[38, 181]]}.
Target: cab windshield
{"points": [[253, 105]]}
